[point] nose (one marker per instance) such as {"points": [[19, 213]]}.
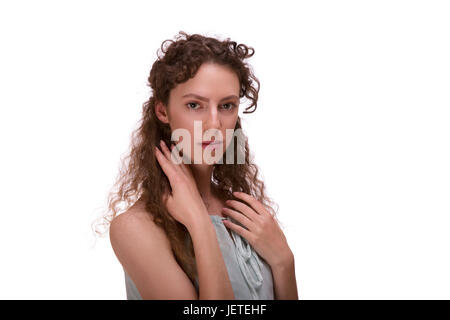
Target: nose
{"points": [[213, 120]]}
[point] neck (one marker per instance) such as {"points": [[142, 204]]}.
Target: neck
{"points": [[202, 174]]}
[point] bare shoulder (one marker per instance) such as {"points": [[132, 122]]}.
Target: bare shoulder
{"points": [[137, 224], [144, 250]]}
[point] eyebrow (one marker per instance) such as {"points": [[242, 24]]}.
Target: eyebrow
{"points": [[206, 99]]}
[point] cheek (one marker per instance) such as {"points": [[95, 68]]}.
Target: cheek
{"points": [[229, 120], [182, 131]]}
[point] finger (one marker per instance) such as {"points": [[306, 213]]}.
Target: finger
{"points": [[242, 207], [177, 157], [165, 197], [167, 200], [165, 164], [241, 218], [239, 230], [169, 154], [255, 204], [182, 164], [174, 157], [179, 161]]}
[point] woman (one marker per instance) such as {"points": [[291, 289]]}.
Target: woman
{"points": [[198, 229]]}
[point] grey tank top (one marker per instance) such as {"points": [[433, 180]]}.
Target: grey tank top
{"points": [[250, 275]]}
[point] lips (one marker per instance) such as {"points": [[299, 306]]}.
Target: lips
{"points": [[211, 142], [206, 143]]}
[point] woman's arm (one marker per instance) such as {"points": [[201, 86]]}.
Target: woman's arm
{"points": [[285, 284], [213, 279], [143, 249]]}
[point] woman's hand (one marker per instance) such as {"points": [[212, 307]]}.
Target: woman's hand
{"points": [[184, 203], [261, 229]]}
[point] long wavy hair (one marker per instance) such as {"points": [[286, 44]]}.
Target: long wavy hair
{"points": [[141, 177]]}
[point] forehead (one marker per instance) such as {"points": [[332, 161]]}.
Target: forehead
{"points": [[212, 81]]}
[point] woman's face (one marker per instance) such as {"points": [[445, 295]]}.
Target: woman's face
{"points": [[209, 101]]}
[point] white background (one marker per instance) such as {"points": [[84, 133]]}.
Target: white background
{"points": [[351, 134]]}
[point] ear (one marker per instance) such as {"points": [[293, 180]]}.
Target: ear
{"points": [[161, 112]]}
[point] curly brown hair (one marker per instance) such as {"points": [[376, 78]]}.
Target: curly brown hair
{"points": [[141, 177]]}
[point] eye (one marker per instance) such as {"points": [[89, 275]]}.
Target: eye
{"points": [[191, 103], [232, 105]]}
